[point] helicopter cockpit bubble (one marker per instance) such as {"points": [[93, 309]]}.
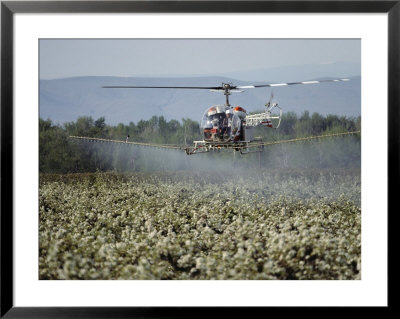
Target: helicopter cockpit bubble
{"points": [[220, 124]]}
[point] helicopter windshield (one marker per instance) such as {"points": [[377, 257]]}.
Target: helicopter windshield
{"points": [[219, 124]]}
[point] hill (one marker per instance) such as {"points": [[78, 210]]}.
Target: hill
{"points": [[64, 100]]}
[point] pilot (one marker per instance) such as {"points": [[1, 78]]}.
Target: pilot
{"points": [[229, 114]]}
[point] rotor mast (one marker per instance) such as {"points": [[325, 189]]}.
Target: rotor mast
{"points": [[227, 88]]}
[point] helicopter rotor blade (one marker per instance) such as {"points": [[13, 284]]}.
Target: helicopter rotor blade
{"points": [[166, 87], [224, 88], [289, 83]]}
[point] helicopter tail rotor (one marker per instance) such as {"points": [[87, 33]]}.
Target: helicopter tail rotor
{"points": [[274, 112], [270, 118], [270, 99]]}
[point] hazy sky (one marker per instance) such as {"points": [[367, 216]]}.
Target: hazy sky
{"points": [[66, 58]]}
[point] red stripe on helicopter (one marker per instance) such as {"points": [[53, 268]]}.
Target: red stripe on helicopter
{"points": [[267, 123]]}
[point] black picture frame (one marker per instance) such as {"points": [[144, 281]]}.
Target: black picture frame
{"points": [[9, 8]]}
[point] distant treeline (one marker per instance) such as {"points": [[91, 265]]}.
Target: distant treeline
{"points": [[60, 154]]}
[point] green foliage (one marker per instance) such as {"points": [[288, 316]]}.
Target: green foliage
{"points": [[56, 154], [59, 154]]}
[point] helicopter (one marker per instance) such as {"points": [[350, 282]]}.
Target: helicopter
{"points": [[224, 126]]}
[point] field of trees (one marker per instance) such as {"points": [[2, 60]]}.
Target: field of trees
{"points": [[269, 224], [111, 211]]}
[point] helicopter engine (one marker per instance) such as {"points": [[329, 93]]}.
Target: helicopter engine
{"points": [[220, 124]]}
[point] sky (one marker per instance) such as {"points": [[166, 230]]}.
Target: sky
{"points": [[62, 58]]}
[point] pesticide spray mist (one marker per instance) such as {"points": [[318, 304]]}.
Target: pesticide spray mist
{"points": [[342, 152], [283, 169]]}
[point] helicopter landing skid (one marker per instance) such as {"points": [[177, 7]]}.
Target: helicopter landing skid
{"points": [[205, 147]]}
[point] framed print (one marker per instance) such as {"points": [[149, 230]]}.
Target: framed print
{"points": [[109, 209]]}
